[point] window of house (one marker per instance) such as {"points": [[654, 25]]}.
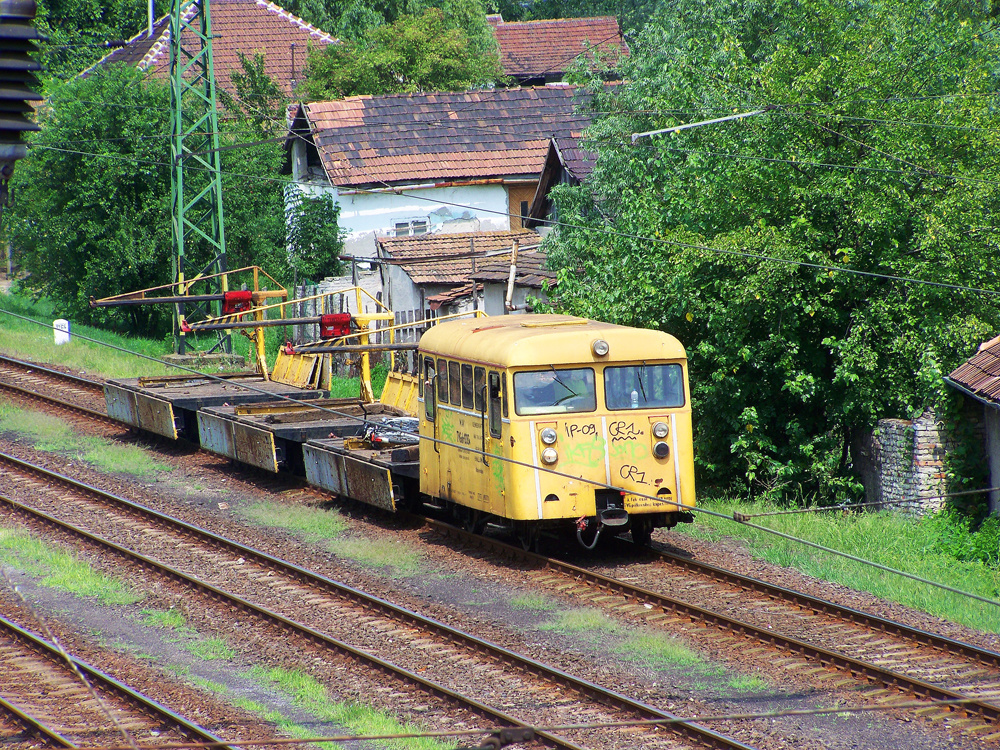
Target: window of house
{"points": [[524, 210], [410, 227], [418, 226]]}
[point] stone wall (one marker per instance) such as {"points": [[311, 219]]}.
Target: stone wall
{"points": [[901, 463]]}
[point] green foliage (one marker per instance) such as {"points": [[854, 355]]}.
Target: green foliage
{"points": [[957, 535], [75, 31], [429, 52], [877, 158], [314, 238], [92, 214]]}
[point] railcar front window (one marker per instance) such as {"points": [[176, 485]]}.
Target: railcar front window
{"points": [[643, 387], [554, 391]]}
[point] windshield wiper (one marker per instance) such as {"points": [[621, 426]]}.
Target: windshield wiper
{"points": [[555, 373], [641, 386]]}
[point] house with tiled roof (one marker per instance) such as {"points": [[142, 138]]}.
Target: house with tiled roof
{"points": [[431, 272], [238, 26], [431, 163], [979, 380], [539, 52]]}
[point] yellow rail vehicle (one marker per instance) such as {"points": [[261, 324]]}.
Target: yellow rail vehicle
{"points": [[573, 424]]}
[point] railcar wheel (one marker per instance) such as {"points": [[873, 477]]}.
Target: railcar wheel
{"points": [[642, 531], [527, 535], [473, 521]]}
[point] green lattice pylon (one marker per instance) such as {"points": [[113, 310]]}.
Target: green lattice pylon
{"points": [[195, 181]]}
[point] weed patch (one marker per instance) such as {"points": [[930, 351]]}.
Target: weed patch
{"points": [[61, 570], [309, 522], [311, 696], [746, 683], [210, 685], [658, 650], [52, 435], [159, 618], [586, 621], [211, 649], [533, 601], [401, 559]]}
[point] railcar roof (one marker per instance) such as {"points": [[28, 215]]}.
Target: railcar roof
{"points": [[526, 340]]}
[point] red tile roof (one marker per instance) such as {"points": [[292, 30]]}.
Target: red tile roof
{"points": [[447, 258], [247, 26], [980, 376], [534, 49], [373, 140], [531, 270]]}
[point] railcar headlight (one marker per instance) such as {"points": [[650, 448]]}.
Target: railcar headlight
{"points": [[549, 456], [661, 450], [600, 347], [660, 430], [548, 436]]}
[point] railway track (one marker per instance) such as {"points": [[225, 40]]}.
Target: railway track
{"points": [[63, 390], [897, 659], [44, 695], [368, 631]]}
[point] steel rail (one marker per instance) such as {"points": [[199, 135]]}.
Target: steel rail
{"points": [[822, 606], [146, 704], [35, 725], [701, 735], [830, 659], [75, 379]]}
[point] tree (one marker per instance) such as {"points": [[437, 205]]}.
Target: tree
{"points": [[876, 158], [77, 31], [314, 240], [415, 53], [92, 213]]}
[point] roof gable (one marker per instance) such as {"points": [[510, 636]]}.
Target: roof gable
{"points": [[238, 26], [536, 49], [411, 138]]}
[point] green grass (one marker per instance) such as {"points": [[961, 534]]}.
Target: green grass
{"points": [[360, 720], [160, 618], [658, 650], [533, 601], [584, 620], [61, 570], [20, 336], [351, 387], [52, 435], [306, 521], [211, 649], [210, 685], [401, 559], [891, 539], [746, 683]]}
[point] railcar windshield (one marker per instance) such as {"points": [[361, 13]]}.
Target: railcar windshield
{"points": [[554, 391], [643, 387]]}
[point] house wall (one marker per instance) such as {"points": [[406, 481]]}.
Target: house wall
{"points": [[518, 193], [465, 208], [991, 419]]}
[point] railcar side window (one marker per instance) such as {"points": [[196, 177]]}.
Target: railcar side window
{"points": [[479, 386], [554, 391], [455, 383], [467, 387], [429, 391], [496, 423], [644, 387], [426, 373], [503, 381], [442, 371]]}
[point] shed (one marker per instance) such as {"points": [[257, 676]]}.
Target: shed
{"points": [[530, 279], [979, 379]]}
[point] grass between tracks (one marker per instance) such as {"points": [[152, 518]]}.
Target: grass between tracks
{"points": [[912, 545], [61, 570], [52, 435]]}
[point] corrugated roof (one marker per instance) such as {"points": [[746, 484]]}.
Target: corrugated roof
{"points": [[447, 258], [981, 374], [531, 270], [371, 140], [238, 26], [534, 49]]}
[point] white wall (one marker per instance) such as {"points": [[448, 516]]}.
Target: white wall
{"points": [[470, 208]]}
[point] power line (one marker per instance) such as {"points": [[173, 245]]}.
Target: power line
{"points": [[363, 420], [613, 232]]}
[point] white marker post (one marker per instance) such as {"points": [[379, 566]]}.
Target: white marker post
{"points": [[61, 330]]}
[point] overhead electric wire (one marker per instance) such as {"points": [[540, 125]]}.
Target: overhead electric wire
{"points": [[608, 231], [363, 420]]}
